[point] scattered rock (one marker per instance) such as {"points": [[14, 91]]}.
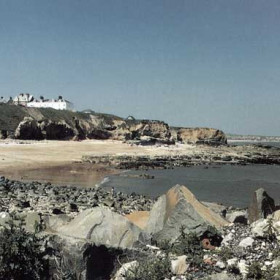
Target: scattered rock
{"points": [[240, 217], [243, 267], [179, 266], [246, 242]]}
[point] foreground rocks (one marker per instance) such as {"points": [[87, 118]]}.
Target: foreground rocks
{"points": [[48, 199], [103, 227], [89, 235]]}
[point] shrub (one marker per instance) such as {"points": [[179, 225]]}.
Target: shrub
{"points": [[20, 254], [156, 268], [254, 271], [225, 253], [270, 232], [189, 244]]}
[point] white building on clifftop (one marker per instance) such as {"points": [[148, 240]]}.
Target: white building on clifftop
{"points": [[26, 99], [23, 99]]}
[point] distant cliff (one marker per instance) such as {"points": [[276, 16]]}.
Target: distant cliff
{"points": [[197, 135], [45, 123]]}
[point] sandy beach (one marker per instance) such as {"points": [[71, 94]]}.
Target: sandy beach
{"points": [[60, 161], [39, 154]]}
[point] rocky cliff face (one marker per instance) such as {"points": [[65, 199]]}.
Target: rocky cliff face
{"points": [[45, 123], [200, 135]]}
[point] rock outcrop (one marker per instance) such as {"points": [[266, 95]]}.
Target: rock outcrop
{"points": [[261, 206], [47, 123], [200, 135], [28, 129], [180, 208]]}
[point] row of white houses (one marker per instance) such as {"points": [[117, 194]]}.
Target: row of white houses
{"points": [[28, 100]]}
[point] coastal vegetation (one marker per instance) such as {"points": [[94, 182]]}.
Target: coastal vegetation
{"points": [[21, 253]]}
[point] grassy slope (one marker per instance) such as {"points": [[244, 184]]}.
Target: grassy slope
{"points": [[11, 115]]}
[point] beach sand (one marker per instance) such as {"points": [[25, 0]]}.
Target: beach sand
{"points": [[59, 162]]}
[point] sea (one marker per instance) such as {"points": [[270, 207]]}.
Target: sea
{"points": [[231, 185]]}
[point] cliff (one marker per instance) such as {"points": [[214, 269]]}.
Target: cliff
{"points": [[200, 135], [46, 123]]}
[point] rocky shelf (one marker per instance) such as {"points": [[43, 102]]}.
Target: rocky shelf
{"points": [[202, 154]]}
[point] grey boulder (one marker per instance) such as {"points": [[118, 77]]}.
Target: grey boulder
{"points": [[180, 208], [101, 226]]}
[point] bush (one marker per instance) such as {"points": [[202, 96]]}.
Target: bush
{"points": [[20, 254], [225, 254], [270, 232], [254, 271], [189, 244], [156, 268]]}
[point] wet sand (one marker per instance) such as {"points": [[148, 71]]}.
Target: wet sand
{"points": [[56, 162], [73, 174], [59, 162]]}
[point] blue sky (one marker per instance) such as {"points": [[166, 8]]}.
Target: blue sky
{"points": [[189, 63]]}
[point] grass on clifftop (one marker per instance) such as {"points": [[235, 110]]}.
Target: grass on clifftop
{"points": [[12, 115]]}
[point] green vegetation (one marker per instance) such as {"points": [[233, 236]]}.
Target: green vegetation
{"points": [[225, 253], [21, 257], [156, 268], [12, 115], [190, 245], [270, 232], [254, 271]]}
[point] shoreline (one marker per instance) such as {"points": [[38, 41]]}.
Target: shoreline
{"points": [[60, 162]]}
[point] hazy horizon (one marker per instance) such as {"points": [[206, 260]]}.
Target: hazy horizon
{"points": [[189, 63]]}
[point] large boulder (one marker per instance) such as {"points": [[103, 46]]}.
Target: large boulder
{"points": [[201, 135], [79, 259], [103, 227], [139, 218], [261, 206], [260, 228], [180, 208]]}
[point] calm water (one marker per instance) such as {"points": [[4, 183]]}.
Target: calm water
{"points": [[230, 185], [273, 144]]}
